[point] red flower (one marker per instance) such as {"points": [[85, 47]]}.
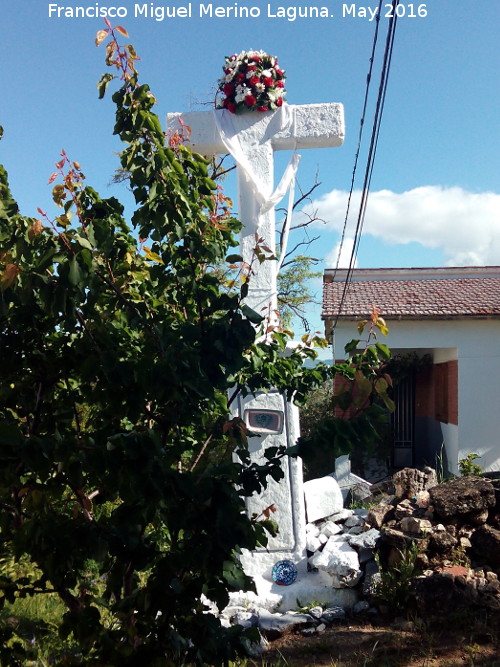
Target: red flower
{"points": [[228, 89], [231, 107], [253, 80], [267, 81], [262, 109], [251, 68], [279, 101], [250, 100], [240, 77], [279, 84], [279, 73], [256, 59]]}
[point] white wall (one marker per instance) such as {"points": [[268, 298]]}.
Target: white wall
{"points": [[476, 345]]}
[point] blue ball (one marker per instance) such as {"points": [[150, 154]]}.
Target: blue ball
{"points": [[284, 573]]}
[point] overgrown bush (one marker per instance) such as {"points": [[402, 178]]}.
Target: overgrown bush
{"points": [[118, 352]]}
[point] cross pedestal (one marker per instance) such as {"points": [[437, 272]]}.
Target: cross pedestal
{"points": [[258, 135]]}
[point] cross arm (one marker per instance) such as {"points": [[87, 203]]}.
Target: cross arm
{"points": [[314, 126]]}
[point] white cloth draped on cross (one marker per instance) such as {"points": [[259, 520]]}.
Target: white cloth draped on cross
{"points": [[283, 120]]}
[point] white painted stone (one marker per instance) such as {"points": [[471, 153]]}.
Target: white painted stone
{"points": [[316, 612], [311, 587], [323, 498], [330, 528], [313, 543], [341, 516], [312, 529], [340, 561]]}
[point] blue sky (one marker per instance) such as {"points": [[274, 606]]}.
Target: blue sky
{"points": [[435, 189]]}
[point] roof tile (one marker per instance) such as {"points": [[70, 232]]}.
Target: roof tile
{"points": [[408, 299]]}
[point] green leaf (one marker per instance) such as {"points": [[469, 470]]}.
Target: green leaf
{"points": [[384, 351], [83, 242], [103, 84], [75, 275], [352, 346], [234, 259], [251, 314]]}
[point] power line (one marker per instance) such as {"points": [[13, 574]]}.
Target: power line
{"points": [[360, 135], [384, 77]]}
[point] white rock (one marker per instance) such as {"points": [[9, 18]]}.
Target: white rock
{"points": [[312, 529], [330, 528], [356, 530], [341, 516], [323, 538], [323, 497], [340, 561], [316, 612], [313, 543]]}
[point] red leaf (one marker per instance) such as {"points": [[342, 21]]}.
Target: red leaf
{"points": [[121, 30], [52, 178]]}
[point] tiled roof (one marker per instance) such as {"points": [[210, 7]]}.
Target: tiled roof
{"points": [[400, 294]]}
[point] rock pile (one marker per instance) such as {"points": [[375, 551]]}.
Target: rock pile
{"points": [[455, 527]]}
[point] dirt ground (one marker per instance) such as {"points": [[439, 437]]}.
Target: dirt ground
{"points": [[464, 638]]}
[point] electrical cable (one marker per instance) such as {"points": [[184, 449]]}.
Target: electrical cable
{"points": [[384, 77], [360, 135]]}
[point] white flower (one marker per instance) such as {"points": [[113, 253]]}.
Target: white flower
{"points": [[239, 98], [266, 72], [241, 89], [260, 87]]}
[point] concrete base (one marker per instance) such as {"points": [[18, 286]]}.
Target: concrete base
{"points": [[308, 588]]}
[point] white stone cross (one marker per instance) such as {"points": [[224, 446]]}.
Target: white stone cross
{"points": [[312, 126], [259, 134]]}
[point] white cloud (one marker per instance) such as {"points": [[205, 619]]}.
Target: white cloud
{"points": [[464, 225], [345, 255]]}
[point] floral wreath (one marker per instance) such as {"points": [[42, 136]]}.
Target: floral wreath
{"points": [[252, 81]]}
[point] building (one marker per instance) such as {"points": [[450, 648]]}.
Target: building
{"points": [[449, 317]]}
